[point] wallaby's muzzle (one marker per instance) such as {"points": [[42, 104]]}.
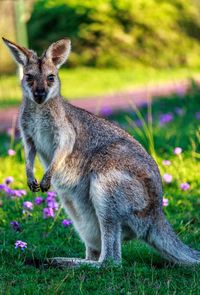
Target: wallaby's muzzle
{"points": [[40, 95]]}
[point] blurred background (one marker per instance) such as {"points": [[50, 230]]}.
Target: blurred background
{"points": [[117, 45]]}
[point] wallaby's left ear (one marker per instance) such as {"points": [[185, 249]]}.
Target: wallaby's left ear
{"points": [[59, 51], [20, 54]]}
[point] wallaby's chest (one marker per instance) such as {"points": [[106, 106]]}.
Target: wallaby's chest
{"points": [[41, 131]]}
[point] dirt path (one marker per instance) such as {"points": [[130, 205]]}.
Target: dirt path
{"points": [[105, 104]]}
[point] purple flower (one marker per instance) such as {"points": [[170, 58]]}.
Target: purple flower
{"points": [[15, 225], [22, 192], [48, 212], [38, 200], [8, 180], [167, 178], [20, 244], [17, 193], [184, 186], [50, 200], [166, 162], [179, 111], [52, 204], [166, 118], [28, 205], [165, 202], [66, 222], [177, 150], [197, 115], [10, 131], [51, 195], [5, 188], [180, 91], [106, 111], [11, 152], [138, 123]]}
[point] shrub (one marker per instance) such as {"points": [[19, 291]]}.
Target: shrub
{"points": [[120, 33]]}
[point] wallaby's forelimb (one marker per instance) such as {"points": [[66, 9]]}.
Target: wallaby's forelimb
{"points": [[30, 153]]}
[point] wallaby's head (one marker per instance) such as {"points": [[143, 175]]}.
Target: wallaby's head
{"points": [[40, 74]]}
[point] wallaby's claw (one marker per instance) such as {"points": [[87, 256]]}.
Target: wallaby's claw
{"points": [[45, 185], [34, 186]]}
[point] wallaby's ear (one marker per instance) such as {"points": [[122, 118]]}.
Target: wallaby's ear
{"points": [[59, 51], [20, 54]]}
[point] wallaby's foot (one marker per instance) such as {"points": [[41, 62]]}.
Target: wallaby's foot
{"points": [[34, 185], [92, 254], [45, 184], [71, 262]]}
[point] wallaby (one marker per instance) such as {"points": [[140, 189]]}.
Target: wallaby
{"points": [[108, 184]]}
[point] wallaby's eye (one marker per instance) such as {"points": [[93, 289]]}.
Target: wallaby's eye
{"points": [[51, 78], [29, 78]]}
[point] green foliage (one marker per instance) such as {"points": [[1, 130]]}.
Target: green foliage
{"points": [[120, 33]]}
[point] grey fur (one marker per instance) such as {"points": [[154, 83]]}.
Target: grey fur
{"points": [[109, 185]]}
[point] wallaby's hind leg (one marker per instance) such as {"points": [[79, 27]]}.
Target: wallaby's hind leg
{"points": [[110, 241]]}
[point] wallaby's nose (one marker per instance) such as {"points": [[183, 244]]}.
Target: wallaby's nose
{"points": [[39, 95]]}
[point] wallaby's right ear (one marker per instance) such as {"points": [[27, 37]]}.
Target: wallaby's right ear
{"points": [[20, 54]]}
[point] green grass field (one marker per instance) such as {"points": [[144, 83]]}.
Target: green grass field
{"points": [[168, 124], [85, 82]]}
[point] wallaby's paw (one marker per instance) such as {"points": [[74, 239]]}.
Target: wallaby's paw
{"points": [[71, 262], [34, 185], [45, 184]]}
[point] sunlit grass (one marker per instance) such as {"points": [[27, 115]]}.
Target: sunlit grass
{"points": [[86, 82]]}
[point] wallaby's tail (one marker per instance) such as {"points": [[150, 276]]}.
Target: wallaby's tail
{"points": [[162, 237]]}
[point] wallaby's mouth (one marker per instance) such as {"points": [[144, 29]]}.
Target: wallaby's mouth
{"points": [[40, 97], [39, 100]]}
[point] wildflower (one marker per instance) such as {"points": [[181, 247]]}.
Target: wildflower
{"points": [[166, 162], [50, 200], [15, 225], [179, 111], [184, 186], [165, 202], [51, 195], [48, 212], [8, 180], [197, 115], [106, 111], [20, 244], [52, 204], [5, 188], [138, 123], [180, 91], [28, 205], [177, 150], [18, 193], [167, 178], [11, 152], [10, 131], [166, 118], [66, 222], [38, 200]]}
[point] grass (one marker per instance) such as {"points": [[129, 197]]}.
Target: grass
{"points": [[85, 82], [143, 271]]}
